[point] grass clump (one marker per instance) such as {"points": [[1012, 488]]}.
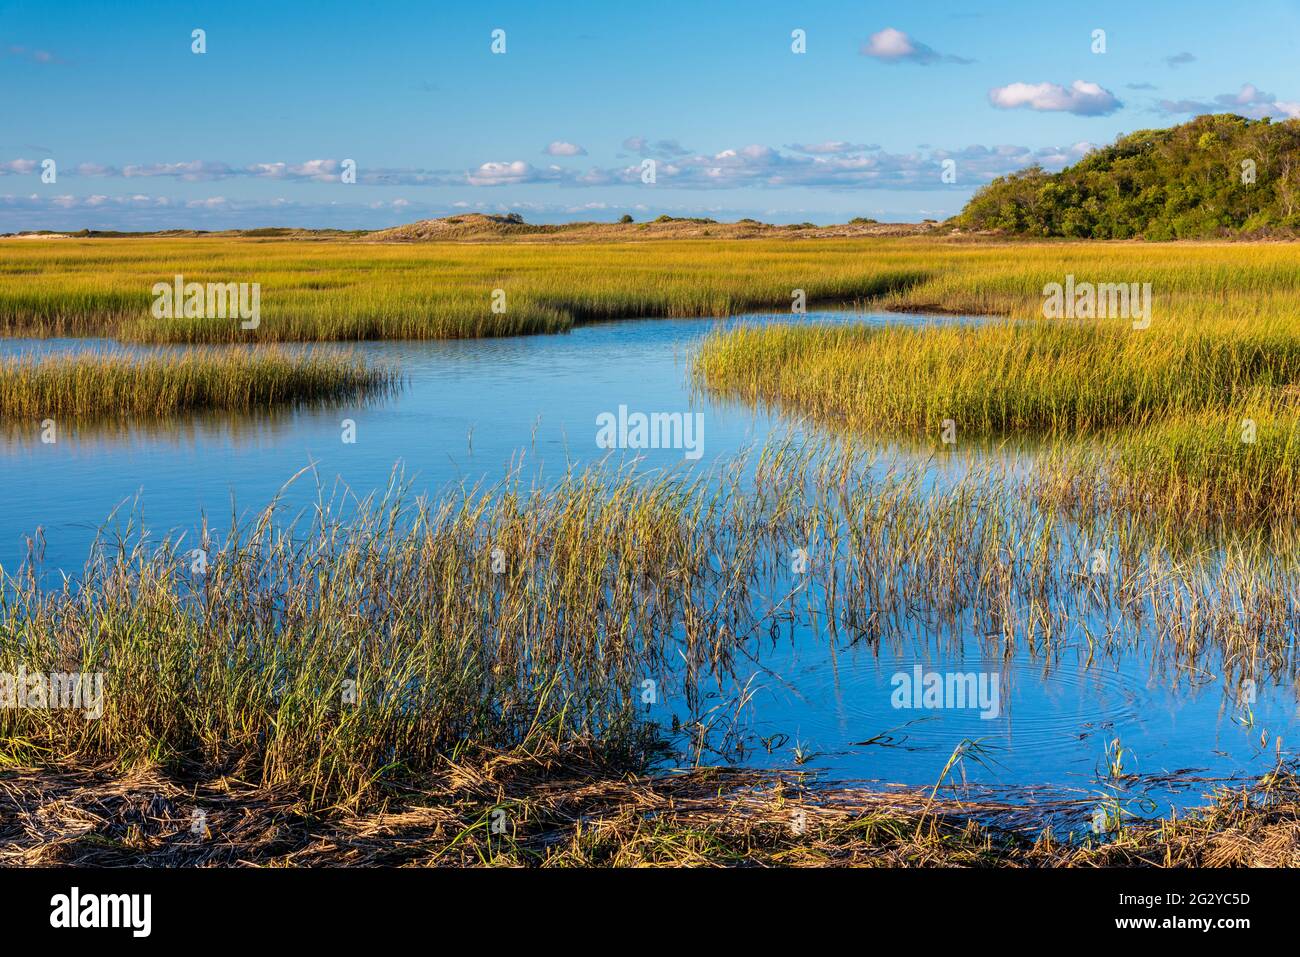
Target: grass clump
{"points": [[93, 386], [338, 658]]}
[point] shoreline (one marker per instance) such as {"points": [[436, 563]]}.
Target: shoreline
{"points": [[549, 810]]}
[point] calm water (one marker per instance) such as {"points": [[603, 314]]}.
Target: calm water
{"points": [[471, 409]]}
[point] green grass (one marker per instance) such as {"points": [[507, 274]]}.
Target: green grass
{"points": [[1142, 410], [337, 657], [1154, 420], [128, 386]]}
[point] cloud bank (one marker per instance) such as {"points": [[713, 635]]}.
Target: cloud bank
{"points": [[834, 164], [1250, 101]]}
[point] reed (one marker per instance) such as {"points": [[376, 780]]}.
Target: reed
{"points": [[1140, 418], [337, 658], [1218, 471], [361, 648]]}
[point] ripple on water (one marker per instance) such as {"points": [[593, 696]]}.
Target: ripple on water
{"points": [[1063, 713]]}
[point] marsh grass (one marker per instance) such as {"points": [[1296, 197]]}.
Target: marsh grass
{"points": [[343, 289], [1042, 378], [125, 386], [251, 664], [1221, 334], [358, 647], [360, 291], [1150, 419], [1218, 472], [366, 650]]}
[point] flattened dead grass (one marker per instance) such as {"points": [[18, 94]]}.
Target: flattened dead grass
{"points": [[569, 810]]}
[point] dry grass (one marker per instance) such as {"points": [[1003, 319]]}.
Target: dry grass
{"points": [[566, 811]]}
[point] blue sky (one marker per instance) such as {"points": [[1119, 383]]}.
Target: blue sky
{"points": [[147, 134]]}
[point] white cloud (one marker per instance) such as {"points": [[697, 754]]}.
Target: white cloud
{"points": [[193, 171], [1082, 98], [318, 170], [895, 46], [514, 174], [561, 148], [890, 44], [838, 168], [500, 174], [38, 211]]}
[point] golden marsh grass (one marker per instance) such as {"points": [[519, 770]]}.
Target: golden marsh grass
{"points": [[354, 290], [88, 386]]}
